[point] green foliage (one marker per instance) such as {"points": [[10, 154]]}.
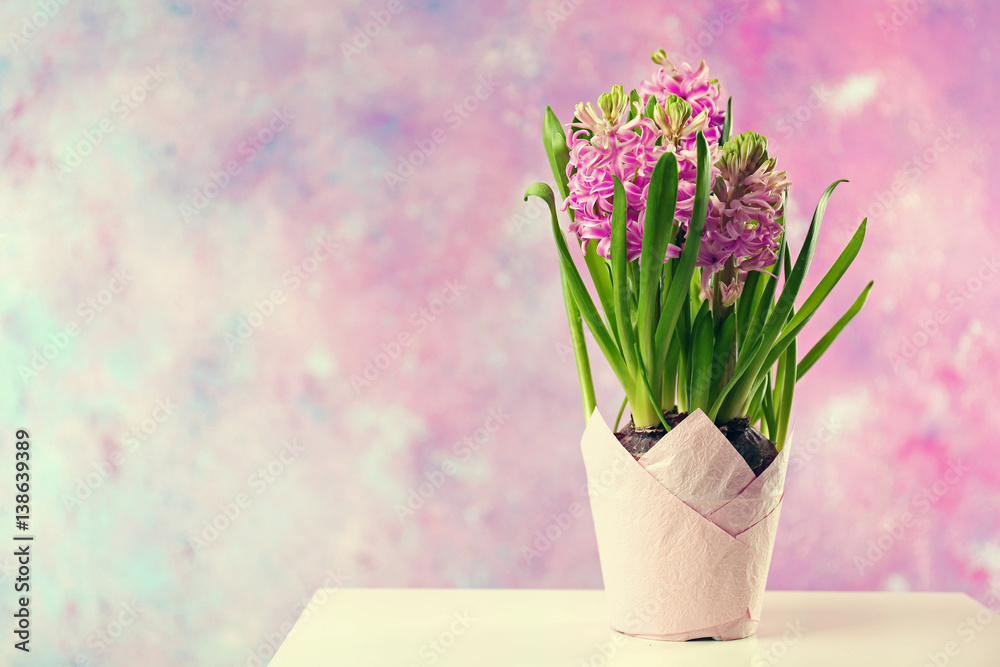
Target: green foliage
{"points": [[659, 333]]}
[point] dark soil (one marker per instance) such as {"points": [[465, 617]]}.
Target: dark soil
{"points": [[755, 449], [639, 442]]}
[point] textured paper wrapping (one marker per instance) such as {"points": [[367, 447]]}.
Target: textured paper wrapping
{"points": [[685, 533]]}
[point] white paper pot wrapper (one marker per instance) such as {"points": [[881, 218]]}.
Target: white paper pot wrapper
{"points": [[685, 533]]}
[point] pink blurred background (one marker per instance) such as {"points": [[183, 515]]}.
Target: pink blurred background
{"points": [[264, 274]]}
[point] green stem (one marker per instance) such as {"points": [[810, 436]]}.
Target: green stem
{"points": [[579, 350], [735, 404], [725, 276], [787, 393], [683, 374], [644, 414], [668, 395], [621, 411]]}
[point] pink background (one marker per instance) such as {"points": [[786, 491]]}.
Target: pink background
{"points": [[900, 99]]}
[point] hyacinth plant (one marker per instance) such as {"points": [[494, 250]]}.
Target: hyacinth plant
{"points": [[682, 229]]}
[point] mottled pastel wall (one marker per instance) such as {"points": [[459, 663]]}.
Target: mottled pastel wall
{"points": [[214, 215]]}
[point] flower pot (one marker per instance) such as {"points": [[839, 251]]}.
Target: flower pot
{"points": [[685, 533]]}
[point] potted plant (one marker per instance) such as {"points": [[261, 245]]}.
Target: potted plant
{"points": [[682, 229]]}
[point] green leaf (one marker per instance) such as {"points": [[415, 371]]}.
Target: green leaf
{"points": [[819, 348], [694, 287], [787, 393], [634, 104], [682, 342], [656, 236], [557, 150], [786, 301], [727, 124], [621, 411], [654, 400], [760, 306], [580, 294], [650, 105], [755, 411], [785, 253], [736, 395], [744, 307], [764, 300], [600, 275], [633, 277], [703, 345], [799, 320], [682, 329], [558, 153], [779, 378], [829, 281], [768, 408], [787, 263], [724, 341], [681, 282], [619, 274], [668, 393], [579, 348], [683, 381]]}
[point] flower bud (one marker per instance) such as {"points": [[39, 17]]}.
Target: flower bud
{"points": [[614, 103], [744, 153], [660, 58]]}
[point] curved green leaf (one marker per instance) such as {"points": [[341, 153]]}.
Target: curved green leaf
{"points": [[767, 407], [600, 275], [656, 236], [650, 105], [813, 355], [579, 348], [732, 400], [579, 291], [744, 307], [653, 400], [727, 124], [621, 411], [702, 347], [787, 393], [798, 321], [557, 150], [681, 282], [755, 411], [619, 274], [829, 281]]}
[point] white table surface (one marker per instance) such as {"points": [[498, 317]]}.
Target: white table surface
{"points": [[550, 628]]}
